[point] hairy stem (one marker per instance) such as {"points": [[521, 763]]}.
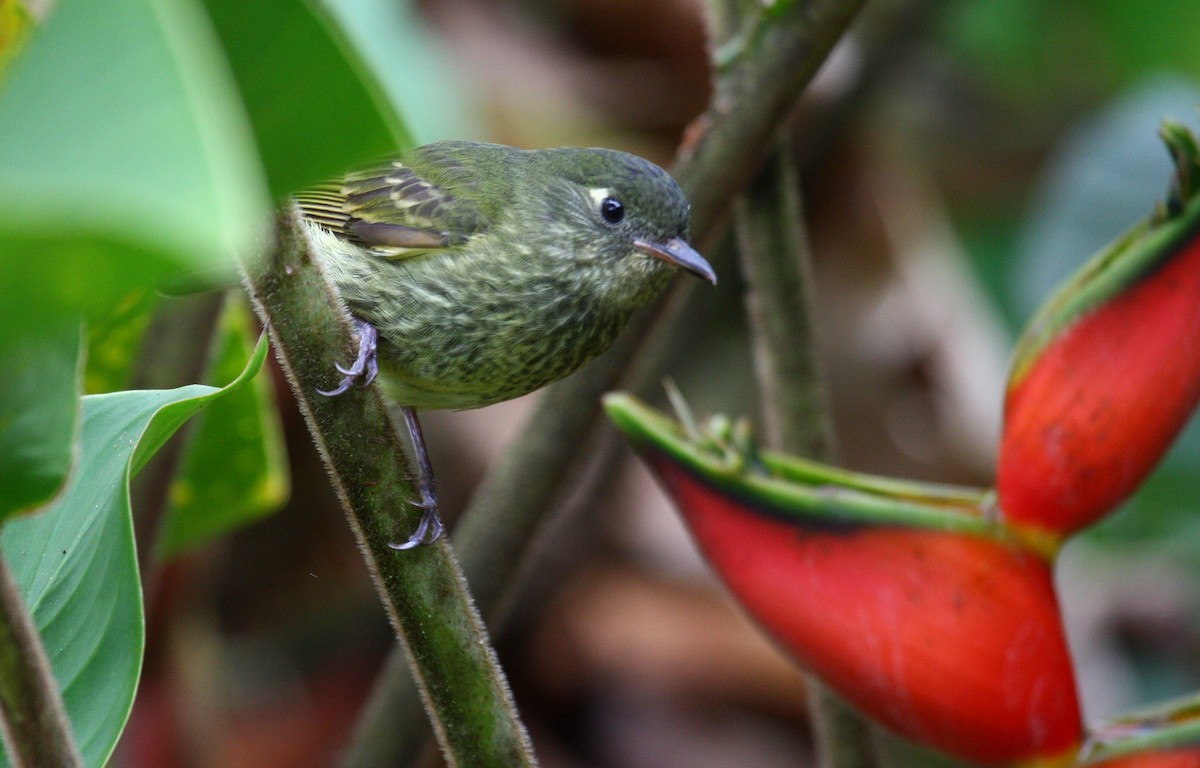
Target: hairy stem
{"points": [[35, 725], [775, 261], [424, 592]]}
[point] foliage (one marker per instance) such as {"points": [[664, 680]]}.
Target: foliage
{"points": [[150, 164], [75, 560]]}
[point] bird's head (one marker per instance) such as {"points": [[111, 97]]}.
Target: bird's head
{"points": [[617, 216]]}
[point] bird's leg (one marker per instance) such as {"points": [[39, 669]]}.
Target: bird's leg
{"points": [[430, 528], [366, 365], [362, 372]]}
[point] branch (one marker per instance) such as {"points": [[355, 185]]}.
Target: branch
{"points": [[423, 591], [763, 71], [35, 725]]}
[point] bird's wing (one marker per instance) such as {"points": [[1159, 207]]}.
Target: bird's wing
{"points": [[393, 210]]}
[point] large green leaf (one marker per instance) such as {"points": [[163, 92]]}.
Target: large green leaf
{"points": [[315, 108], [38, 404], [76, 563], [233, 470], [124, 158]]}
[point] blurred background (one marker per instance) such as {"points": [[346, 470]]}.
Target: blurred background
{"points": [[958, 160]]}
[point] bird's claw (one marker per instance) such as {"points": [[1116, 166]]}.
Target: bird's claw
{"points": [[366, 365], [429, 530], [342, 386]]}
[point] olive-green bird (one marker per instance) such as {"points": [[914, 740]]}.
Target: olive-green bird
{"points": [[479, 272]]}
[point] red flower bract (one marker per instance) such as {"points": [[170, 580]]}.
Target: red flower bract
{"points": [[951, 639], [1093, 413]]}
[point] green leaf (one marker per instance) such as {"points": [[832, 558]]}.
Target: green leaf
{"points": [[315, 108], [39, 394], [124, 158], [413, 65], [76, 563], [233, 470]]}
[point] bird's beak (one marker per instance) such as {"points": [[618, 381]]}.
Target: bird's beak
{"points": [[677, 252]]}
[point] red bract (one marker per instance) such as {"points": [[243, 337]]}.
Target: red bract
{"points": [[1109, 371], [1093, 413], [950, 638]]}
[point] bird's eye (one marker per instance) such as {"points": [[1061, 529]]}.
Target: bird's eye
{"points": [[612, 209]]}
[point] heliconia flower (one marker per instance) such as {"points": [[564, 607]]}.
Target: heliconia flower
{"points": [[1109, 371], [904, 598]]}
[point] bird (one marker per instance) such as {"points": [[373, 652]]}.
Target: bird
{"points": [[476, 273]]}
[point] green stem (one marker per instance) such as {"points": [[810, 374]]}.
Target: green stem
{"points": [[775, 259], [35, 725], [424, 592], [756, 95], [752, 96]]}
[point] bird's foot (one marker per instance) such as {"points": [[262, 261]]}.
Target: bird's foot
{"points": [[431, 528], [366, 365]]}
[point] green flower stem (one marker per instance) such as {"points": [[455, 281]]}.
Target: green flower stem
{"points": [[776, 263], [1170, 725], [757, 93], [423, 591], [35, 726]]}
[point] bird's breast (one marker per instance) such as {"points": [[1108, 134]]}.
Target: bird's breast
{"points": [[465, 341]]}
